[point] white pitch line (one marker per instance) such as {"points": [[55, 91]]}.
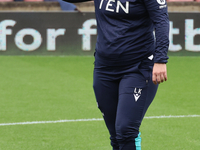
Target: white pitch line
{"points": [[180, 116], [93, 119]]}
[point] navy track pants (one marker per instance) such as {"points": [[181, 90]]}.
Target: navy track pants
{"points": [[123, 96]]}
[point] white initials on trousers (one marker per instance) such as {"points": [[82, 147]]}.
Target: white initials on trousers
{"points": [[137, 93]]}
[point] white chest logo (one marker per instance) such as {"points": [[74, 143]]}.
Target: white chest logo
{"points": [[137, 93], [161, 2], [110, 6]]}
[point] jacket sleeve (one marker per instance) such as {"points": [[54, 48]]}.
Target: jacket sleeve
{"points": [[76, 1], [157, 10]]}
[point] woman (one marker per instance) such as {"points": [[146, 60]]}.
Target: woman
{"points": [[130, 62]]}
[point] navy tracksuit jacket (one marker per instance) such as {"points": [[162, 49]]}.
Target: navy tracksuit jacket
{"points": [[126, 50]]}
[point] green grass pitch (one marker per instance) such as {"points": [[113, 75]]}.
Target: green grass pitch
{"points": [[39, 88]]}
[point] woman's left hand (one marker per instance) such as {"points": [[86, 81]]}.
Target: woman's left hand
{"points": [[159, 74]]}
